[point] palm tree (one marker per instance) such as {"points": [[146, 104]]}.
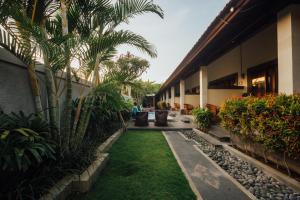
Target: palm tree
{"points": [[104, 24], [22, 42], [62, 30], [99, 25], [26, 20]]}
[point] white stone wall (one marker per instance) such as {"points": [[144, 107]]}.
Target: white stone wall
{"points": [[192, 100], [259, 49], [15, 89], [218, 96]]}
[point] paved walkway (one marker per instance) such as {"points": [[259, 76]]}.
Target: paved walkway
{"points": [[209, 180]]}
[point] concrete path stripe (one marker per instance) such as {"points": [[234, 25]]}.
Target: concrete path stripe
{"points": [[209, 180], [191, 183], [249, 194]]}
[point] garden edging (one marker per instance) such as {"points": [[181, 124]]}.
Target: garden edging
{"points": [[105, 146], [262, 185], [258, 149], [83, 182], [266, 169], [263, 167]]}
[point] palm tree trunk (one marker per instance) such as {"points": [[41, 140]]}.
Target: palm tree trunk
{"points": [[33, 80], [84, 120], [78, 132], [96, 79], [51, 91], [33, 77], [78, 113], [68, 101], [35, 89]]}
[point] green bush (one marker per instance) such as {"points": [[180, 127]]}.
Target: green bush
{"points": [[23, 142], [107, 106], [273, 121], [161, 105], [203, 118]]}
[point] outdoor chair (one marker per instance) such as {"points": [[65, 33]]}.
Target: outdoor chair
{"points": [[188, 109], [177, 106], [215, 111], [161, 118], [141, 119]]}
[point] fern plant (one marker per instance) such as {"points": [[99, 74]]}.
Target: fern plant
{"points": [[23, 142]]}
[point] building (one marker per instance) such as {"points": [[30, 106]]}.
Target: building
{"points": [[251, 47]]}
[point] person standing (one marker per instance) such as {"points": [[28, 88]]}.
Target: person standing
{"points": [[134, 110]]}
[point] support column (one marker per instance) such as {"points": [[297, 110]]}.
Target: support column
{"points": [[288, 42], [203, 86], [182, 94], [167, 96], [173, 97]]}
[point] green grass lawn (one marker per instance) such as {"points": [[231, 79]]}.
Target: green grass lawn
{"points": [[141, 166]]}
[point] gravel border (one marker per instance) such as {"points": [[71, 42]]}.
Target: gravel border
{"points": [[262, 186]]}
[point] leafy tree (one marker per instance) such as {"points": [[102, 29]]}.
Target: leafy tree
{"points": [[141, 88], [126, 69], [64, 30]]}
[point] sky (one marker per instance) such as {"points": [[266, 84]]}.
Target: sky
{"points": [[183, 24]]}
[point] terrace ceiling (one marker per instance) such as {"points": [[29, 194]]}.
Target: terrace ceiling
{"points": [[228, 30]]}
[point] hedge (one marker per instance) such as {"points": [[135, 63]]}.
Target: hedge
{"points": [[273, 121], [203, 118]]}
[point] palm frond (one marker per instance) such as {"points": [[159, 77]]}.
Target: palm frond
{"points": [[8, 42], [108, 43], [126, 9]]}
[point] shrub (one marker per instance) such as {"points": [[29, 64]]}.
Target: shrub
{"points": [[107, 106], [161, 105], [23, 142], [273, 121], [203, 118]]}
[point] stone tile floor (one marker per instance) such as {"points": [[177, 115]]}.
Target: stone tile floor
{"points": [[175, 124]]}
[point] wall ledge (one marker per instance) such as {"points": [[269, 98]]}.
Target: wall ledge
{"points": [[82, 183]]}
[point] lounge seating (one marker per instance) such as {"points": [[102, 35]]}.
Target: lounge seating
{"points": [[141, 119], [161, 118], [187, 109], [177, 106], [188, 106], [215, 111]]}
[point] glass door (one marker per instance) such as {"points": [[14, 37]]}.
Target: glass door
{"points": [[263, 80]]}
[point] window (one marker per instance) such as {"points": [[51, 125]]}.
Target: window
{"points": [[263, 79], [227, 82], [194, 90]]}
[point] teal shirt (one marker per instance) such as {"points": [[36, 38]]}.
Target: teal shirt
{"points": [[134, 110]]}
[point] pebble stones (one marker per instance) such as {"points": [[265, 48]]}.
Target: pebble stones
{"points": [[253, 179]]}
